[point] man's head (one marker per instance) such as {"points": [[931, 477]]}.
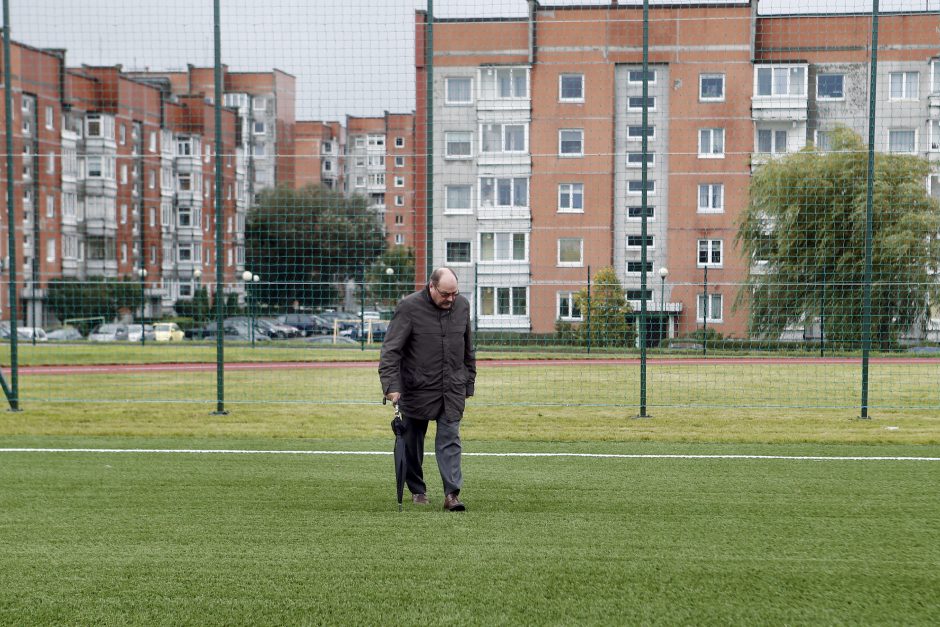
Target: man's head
{"points": [[443, 287]]}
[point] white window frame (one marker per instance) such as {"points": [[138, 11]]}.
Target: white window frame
{"points": [[399, 142], [399, 181], [511, 247], [711, 246], [503, 137], [495, 315], [50, 249], [650, 209], [399, 239], [512, 71], [934, 144], [259, 103], [635, 103], [494, 200], [775, 72], [650, 187], [458, 210], [561, 81], [458, 138], [570, 299], [447, 92], [635, 77], [775, 148], [935, 76], [50, 117], [400, 161], [820, 96], [450, 261], [561, 142], [638, 136], [571, 191], [635, 159], [914, 144], [649, 267], [258, 127], [50, 205], [712, 133], [712, 298], [570, 264], [400, 200], [50, 163], [710, 206], [639, 246], [910, 85], [707, 76]]}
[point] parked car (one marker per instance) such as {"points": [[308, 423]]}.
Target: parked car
{"points": [[377, 329], [109, 332], [369, 315], [167, 332], [28, 333], [307, 324], [65, 334], [278, 330], [324, 340], [133, 332]]}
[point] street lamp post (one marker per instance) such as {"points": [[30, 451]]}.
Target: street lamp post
{"points": [[248, 277], [197, 315], [664, 319], [142, 273], [389, 272]]}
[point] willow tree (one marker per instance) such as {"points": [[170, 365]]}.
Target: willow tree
{"points": [[804, 228]]}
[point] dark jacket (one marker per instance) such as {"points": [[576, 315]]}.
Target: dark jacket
{"points": [[428, 357]]}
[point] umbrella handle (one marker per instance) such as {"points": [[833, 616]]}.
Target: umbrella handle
{"points": [[397, 411]]}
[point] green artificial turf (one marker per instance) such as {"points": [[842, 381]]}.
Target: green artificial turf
{"points": [[212, 539]]}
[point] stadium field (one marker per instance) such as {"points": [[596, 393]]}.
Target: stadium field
{"points": [[793, 534]]}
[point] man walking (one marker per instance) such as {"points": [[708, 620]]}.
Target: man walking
{"points": [[428, 367]]}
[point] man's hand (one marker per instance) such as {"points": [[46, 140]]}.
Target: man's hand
{"points": [[393, 397]]}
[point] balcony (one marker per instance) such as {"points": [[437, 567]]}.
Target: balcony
{"points": [[773, 108]]}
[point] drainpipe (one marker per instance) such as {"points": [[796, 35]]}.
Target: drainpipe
{"points": [[533, 44]]}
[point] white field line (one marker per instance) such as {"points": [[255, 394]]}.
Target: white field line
{"points": [[821, 458]]}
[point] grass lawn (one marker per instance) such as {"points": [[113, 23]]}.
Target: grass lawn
{"points": [[124, 538]]}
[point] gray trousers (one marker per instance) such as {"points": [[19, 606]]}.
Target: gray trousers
{"points": [[446, 450]]}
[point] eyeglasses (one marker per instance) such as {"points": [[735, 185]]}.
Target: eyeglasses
{"points": [[445, 295]]}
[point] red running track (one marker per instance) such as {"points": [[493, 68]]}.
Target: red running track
{"points": [[483, 364]]}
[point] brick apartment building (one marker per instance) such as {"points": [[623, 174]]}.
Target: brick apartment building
{"points": [[537, 133]]}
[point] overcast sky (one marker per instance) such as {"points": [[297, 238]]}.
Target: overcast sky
{"points": [[349, 56]]}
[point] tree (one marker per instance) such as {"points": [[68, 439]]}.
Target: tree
{"points": [[304, 242], [385, 288], [95, 297], [607, 314], [806, 218]]}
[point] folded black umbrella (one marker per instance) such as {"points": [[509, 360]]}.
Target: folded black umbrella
{"points": [[398, 428]]}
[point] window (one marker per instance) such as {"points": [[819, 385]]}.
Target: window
{"points": [[636, 267], [399, 181], [635, 132], [504, 301], [399, 162], [123, 252], [458, 199], [713, 308], [399, 239], [360, 181], [503, 138], [184, 146], [636, 187], [95, 166], [504, 192], [636, 77], [902, 141], [50, 206], [571, 142], [636, 241], [376, 160], [360, 142], [711, 198], [184, 252], [375, 140], [571, 197], [570, 251], [123, 174], [50, 249], [458, 252], [50, 118], [123, 134], [258, 127], [153, 216], [781, 81], [400, 200], [635, 159], [635, 103], [152, 142], [709, 253], [377, 179], [69, 202], [636, 213], [399, 219], [904, 85], [935, 70], [151, 179], [568, 308], [123, 213], [637, 295], [458, 145], [830, 86], [711, 87], [458, 90], [184, 181], [503, 247], [50, 163], [259, 104], [934, 135], [824, 141], [770, 141], [571, 88], [93, 125], [512, 83], [711, 143], [399, 142]]}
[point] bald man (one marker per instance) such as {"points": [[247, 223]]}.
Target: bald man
{"points": [[428, 367]]}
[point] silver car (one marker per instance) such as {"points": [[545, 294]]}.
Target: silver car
{"points": [[109, 332]]}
